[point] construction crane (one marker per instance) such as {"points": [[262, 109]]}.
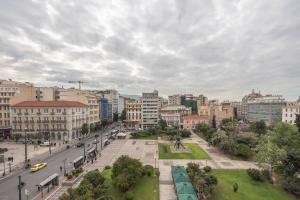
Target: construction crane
{"points": [[79, 83]]}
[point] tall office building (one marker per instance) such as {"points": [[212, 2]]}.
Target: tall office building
{"points": [[150, 109], [267, 108]]}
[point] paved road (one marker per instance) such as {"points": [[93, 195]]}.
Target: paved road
{"points": [[8, 187]]}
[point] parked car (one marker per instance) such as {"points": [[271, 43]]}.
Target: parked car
{"points": [[79, 144], [38, 166], [106, 142]]}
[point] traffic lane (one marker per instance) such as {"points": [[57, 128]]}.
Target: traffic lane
{"points": [[8, 188], [32, 179]]}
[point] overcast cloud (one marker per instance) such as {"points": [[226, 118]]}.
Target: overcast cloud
{"points": [[219, 48]]}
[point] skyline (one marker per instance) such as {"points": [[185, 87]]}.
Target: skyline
{"points": [[220, 49]]}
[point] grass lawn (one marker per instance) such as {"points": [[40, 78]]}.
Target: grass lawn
{"points": [[146, 189], [144, 136], [197, 152], [248, 189]]}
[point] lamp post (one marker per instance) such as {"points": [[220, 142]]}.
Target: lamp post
{"points": [[96, 136], [26, 160], [49, 135]]}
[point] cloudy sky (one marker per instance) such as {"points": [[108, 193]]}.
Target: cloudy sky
{"points": [[219, 48]]}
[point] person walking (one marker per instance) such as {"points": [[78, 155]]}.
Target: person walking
{"points": [[60, 168]]}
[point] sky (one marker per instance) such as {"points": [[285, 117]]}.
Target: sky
{"points": [[222, 49]]}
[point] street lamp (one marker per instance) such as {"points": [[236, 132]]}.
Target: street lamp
{"points": [[26, 160], [96, 136], [49, 135]]}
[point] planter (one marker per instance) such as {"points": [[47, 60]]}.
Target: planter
{"points": [[72, 181]]}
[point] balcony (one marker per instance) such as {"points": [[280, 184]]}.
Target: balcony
{"points": [[52, 113], [38, 113], [26, 113]]}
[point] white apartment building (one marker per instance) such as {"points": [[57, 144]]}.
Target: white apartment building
{"points": [[63, 120], [12, 92], [133, 114], [150, 109], [173, 114], [290, 111]]}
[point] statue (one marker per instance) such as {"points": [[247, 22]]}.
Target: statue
{"points": [[178, 143]]}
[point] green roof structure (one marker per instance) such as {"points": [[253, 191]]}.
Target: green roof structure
{"points": [[183, 185], [181, 177], [187, 197]]}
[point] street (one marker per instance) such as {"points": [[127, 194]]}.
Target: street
{"points": [[9, 186]]}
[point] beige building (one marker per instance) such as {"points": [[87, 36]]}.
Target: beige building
{"points": [[63, 120], [133, 114], [71, 94], [202, 100], [174, 99], [219, 111], [290, 111], [12, 92], [150, 109], [190, 122]]}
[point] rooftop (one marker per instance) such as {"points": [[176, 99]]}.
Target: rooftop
{"points": [[49, 104]]}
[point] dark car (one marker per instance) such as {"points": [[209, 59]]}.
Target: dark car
{"points": [[79, 144]]}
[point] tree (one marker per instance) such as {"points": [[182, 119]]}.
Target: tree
{"points": [[163, 124], [126, 172], [97, 126], [269, 152], [259, 127], [123, 115], [214, 123], [297, 121], [17, 136], [84, 129], [115, 117]]}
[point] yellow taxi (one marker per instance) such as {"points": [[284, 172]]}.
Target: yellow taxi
{"points": [[38, 166]]}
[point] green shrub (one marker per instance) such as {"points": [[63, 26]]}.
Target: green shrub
{"points": [[243, 150], [147, 170], [255, 174], [266, 174], [235, 187], [207, 169], [129, 195], [185, 133], [107, 167], [292, 184]]}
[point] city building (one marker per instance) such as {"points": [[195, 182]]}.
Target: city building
{"points": [[174, 99], [217, 111], [202, 100], [83, 96], [173, 114], [290, 111], [237, 109], [113, 98], [47, 93], [162, 102], [244, 106], [105, 110], [190, 122], [133, 114], [150, 109], [12, 92], [267, 108], [63, 120]]}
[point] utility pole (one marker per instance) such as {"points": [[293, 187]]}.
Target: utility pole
{"points": [[64, 161], [19, 188], [3, 165], [49, 143], [83, 151], [26, 160]]}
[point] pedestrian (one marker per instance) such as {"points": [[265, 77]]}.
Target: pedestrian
{"points": [[60, 168]]}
